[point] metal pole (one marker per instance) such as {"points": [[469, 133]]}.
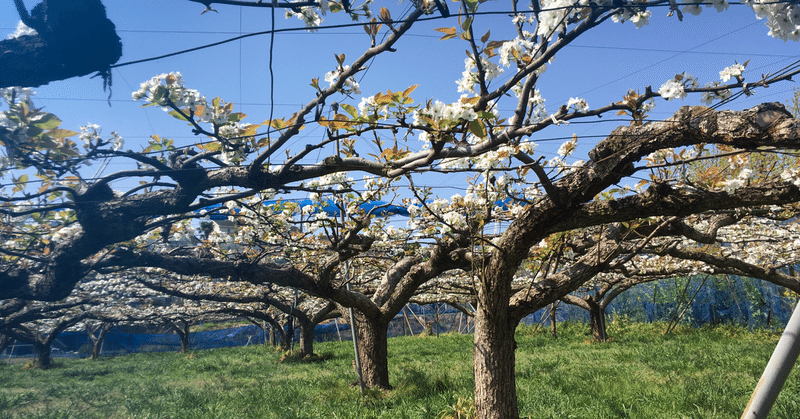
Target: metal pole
{"points": [[338, 332], [292, 323], [777, 370]]}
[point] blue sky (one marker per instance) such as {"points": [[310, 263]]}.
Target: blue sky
{"points": [[599, 67]]}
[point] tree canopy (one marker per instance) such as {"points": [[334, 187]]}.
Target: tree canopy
{"points": [[517, 208]]}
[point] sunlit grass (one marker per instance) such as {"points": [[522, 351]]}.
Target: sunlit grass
{"points": [[641, 373]]}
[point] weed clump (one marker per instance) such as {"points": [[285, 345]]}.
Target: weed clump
{"points": [[463, 409], [298, 357]]}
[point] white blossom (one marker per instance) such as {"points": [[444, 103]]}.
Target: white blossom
{"points": [[578, 104], [90, 134], [309, 16], [734, 71], [675, 87], [22, 30]]}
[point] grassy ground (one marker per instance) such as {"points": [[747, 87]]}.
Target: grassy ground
{"points": [[707, 373]]}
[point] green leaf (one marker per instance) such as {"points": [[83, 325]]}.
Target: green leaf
{"points": [[211, 147], [61, 133], [34, 131], [476, 128], [276, 123], [46, 121], [349, 109], [467, 23], [236, 117], [20, 183], [177, 115]]}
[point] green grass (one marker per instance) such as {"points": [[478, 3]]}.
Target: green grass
{"points": [[693, 373]]}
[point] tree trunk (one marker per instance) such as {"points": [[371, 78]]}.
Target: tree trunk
{"points": [[373, 350], [493, 357], [184, 342], [181, 328], [97, 341], [306, 338], [97, 347], [5, 342], [597, 321], [43, 350]]}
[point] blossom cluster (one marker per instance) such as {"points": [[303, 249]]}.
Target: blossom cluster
{"points": [[90, 136], [309, 16], [734, 71], [578, 104], [470, 75], [639, 17], [783, 18], [171, 91], [350, 85], [535, 100], [675, 88], [460, 111], [167, 90], [741, 180], [512, 51], [554, 17], [369, 106]]}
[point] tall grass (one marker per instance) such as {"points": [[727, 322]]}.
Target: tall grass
{"points": [[693, 373]]}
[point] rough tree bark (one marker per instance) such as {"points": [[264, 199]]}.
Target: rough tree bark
{"points": [[373, 348], [5, 342], [74, 38], [43, 350], [494, 359], [98, 336], [597, 314], [181, 328], [597, 321]]}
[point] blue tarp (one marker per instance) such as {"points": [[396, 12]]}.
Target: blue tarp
{"points": [[743, 301], [118, 342]]}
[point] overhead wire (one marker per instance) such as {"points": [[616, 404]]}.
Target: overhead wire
{"points": [[359, 24], [273, 31]]}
